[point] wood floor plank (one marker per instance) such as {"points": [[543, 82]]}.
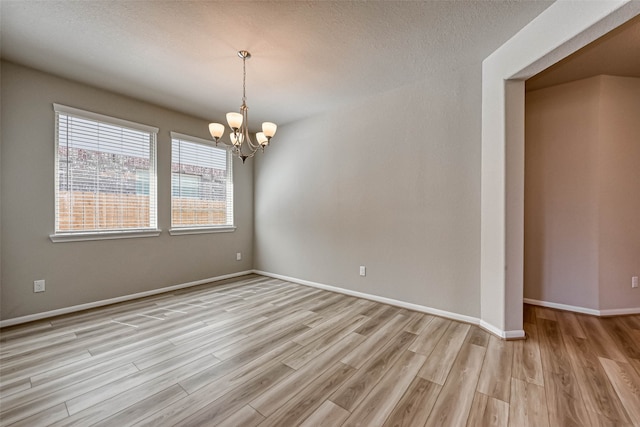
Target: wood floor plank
{"points": [[529, 314], [597, 392], [495, 378], [298, 409], [133, 402], [417, 323], [354, 390], [376, 321], [327, 415], [553, 353], [416, 404], [477, 336], [527, 364], [440, 361], [143, 408], [569, 325], [197, 359], [23, 409], [324, 328], [454, 401], [234, 371], [277, 396], [244, 417], [545, 313], [378, 339], [487, 411], [200, 408], [308, 352], [623, 337], [44, 418], [15, 386], [564, 401], [603, 344], [529, 409], [379, 403], [626, 382], [96, 364], [430, 335]]}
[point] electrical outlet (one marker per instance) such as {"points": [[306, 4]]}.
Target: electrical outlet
{"points": [[38, 286], [634, 282], [238, 256], [363, 270]]}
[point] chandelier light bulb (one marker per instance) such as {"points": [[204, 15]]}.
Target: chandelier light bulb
{"points": [[234, 120], [216, 130], [237, 138], [269, 129], [262, 139]]}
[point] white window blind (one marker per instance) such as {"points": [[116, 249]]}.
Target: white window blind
{"points": [[201, 183], [105, 173]]}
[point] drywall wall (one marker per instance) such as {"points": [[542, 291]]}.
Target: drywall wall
{"points": [[84, 272], [582, 194], [619, 192], [391, 183], [561, 193]]}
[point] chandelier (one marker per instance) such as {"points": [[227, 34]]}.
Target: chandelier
{"points": [[241, 143]]}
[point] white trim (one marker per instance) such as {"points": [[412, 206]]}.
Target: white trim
{"points": [[384, 300], [59, 108], [507, 335], [74, 308], [201, 230], [106, 235], [620, 311], [559, 306], [189, 138], [583, 310]]}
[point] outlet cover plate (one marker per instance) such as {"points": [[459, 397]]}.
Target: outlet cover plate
{"points": [[38, 286]]}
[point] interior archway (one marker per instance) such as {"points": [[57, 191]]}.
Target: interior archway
{"points": [[559, 31]]}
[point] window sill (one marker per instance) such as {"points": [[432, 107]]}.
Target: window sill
{"points": [[105, 235], [179, 231]]}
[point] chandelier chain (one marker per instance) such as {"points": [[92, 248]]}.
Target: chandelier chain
{"points": [[244, 80]]}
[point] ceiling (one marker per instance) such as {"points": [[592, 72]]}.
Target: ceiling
{"points": [[307, 56], [616, 53]]}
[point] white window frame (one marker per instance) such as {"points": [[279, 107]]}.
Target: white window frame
{"points": [[82, 235], [203, 229]]}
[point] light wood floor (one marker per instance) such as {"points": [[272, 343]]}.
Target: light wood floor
{"points": [[259, 351]]}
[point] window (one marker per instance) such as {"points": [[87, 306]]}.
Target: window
{"points": [[201, 186], [105, 179]]}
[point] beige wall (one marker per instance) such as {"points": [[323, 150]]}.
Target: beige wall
{"points": [[581, 198], [391, 183], [619, 192], [82, 272]]}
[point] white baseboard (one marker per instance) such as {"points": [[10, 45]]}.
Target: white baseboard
{"points": [[583, 310], [74, 308], [559, 306], [507, 335], [397, 303], [620, 311]]}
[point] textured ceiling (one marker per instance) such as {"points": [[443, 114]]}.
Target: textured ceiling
{"points": [[307, 56], [616, 53]]}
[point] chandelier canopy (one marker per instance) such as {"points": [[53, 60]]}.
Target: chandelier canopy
{"points": [[241, 143]]}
